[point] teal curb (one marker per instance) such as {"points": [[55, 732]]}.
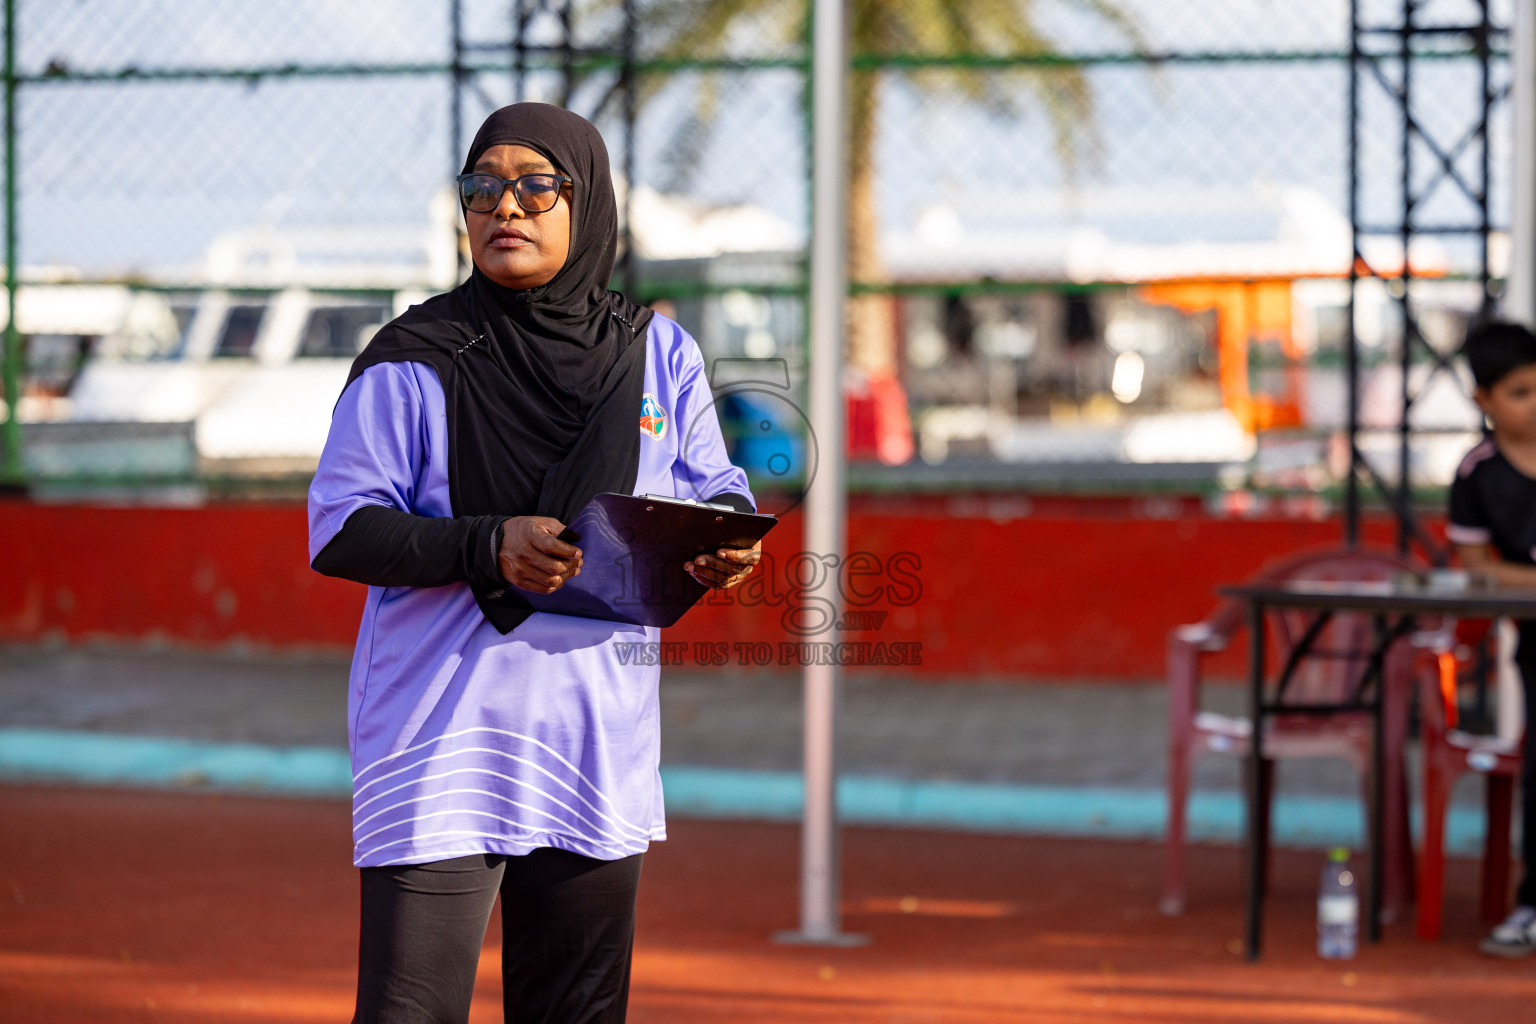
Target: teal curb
{"points": [[1093, 812], [1299, 821], [117, 759]]}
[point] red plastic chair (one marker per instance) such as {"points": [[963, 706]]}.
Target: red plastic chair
{"points": [[1448, 753], [1338, 658]]}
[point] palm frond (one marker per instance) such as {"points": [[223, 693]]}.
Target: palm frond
{"points": [[1003, 27], [705, 28], [702, 28]]}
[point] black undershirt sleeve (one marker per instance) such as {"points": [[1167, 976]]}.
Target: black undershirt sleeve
{"points": [[385, 547]]}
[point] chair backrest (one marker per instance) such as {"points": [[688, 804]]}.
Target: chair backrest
{"points": [[1340, 652]]}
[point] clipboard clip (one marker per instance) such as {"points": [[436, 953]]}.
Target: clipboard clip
{"points": [[689, 501]]}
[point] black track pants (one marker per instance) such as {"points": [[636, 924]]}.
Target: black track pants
{"points": [[568, 927]]}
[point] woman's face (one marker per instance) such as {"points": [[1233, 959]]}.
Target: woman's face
{"points": [[512, 247]]}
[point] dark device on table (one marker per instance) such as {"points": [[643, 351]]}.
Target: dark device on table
{"points": [[633, 550]]}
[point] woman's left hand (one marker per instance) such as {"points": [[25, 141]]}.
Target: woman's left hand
{"points": [[726, 567]]}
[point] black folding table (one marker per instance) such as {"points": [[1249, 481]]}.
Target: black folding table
{"points": [[1396, 607]]}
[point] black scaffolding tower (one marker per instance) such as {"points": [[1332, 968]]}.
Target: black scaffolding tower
{"points": [[1386, 57]]}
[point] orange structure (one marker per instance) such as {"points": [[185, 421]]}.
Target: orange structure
{"points": [[1246, 311]]}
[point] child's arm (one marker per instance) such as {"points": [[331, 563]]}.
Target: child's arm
{"points": [[1479, 558]]}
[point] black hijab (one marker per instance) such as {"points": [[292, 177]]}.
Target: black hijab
{"points": [[543, 386]]}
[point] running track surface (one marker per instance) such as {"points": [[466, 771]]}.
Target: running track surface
{"points": [[205, 909]]}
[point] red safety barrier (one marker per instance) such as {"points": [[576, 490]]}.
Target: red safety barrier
{"points": [[958, 585]]}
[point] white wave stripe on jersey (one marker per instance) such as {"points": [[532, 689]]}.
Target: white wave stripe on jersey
{"points": [[615, 817], [357, 808], [418, 801], [551, 751], [502, 732]]}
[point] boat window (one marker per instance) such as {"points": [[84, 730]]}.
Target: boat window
{"points": [[53, 360], [341, 331], [241, 326]]}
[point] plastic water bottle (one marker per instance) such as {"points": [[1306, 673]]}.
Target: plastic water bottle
{"points": [[1338, 908]]}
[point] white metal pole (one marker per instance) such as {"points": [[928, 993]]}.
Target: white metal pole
{"points": [[825, 506], [1519, 302]]}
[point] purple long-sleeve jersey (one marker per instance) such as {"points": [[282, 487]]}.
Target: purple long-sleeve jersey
{"points": [[467, 741]]}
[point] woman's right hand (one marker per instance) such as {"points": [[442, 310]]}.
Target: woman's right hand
{"points": [[533, 558]]}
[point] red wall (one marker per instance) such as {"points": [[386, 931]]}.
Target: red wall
{"points": [[1008, 585]]}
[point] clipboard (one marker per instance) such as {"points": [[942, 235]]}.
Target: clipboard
{"points": [[633, 550]]}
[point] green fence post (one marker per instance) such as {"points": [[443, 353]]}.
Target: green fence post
{"points": [[11, 364]]}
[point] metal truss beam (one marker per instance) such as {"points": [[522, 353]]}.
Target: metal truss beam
{"points": [[1370, 60]]}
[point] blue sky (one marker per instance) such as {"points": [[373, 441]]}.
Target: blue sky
{"points": [[118, 177]]}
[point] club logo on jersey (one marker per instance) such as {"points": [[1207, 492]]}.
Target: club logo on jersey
{"points": [[653, 418]]}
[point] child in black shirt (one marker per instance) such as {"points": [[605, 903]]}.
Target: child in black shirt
{"points": [[1492, 523]]}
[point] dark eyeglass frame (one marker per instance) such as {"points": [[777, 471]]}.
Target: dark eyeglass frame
{"points": [[515, 184]]}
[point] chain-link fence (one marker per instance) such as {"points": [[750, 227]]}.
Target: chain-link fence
{"points": [[1092, 242]]}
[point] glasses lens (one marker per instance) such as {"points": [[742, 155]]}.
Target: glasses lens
{"points": [[537, 192], [480, 192]]}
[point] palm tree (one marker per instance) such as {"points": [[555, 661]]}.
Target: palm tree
{"points": [[881, 28]]}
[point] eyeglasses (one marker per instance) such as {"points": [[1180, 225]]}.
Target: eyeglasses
{"points": [[535, 193]]}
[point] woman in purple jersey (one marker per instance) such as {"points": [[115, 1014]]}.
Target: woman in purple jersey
{"points": [[496, 749]]}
